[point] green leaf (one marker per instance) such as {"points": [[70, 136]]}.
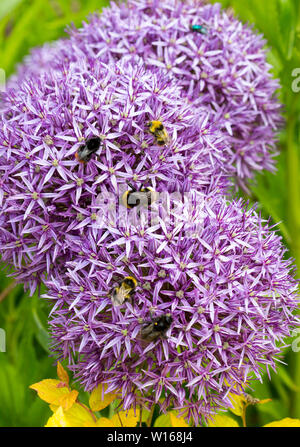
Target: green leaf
{"points": [[163, 421], [6, 6], [15, 39], [270, 191], [286, 379], [12, 393], [41, 333], [288, 25]]}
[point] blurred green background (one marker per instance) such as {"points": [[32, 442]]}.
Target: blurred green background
{"points": [[28, 23]]}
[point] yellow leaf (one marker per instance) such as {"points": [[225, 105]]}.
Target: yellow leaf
{"points": [[286, 422], [69, 399], [128, 418], [62, 373], [176, 421], [238, 402], [102, 422], [79, 415], [98, 400], [58, 419], [54, 392], [50, 390], [222, 421]]}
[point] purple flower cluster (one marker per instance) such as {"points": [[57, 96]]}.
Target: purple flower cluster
{"points": [[215, 269], [48, 195], [180, 299], [223, 68]]}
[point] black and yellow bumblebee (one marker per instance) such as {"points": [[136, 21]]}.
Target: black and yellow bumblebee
{"points": [[156, 328], [157, 129], [143, 196], [85, 152], [124, 291]]}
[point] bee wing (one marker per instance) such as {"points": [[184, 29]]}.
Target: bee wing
{"points": [[149, 333], [83, 153], [165, 135], [119, 295]]}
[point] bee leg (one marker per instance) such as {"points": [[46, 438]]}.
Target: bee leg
{"points": [[131, 186]]}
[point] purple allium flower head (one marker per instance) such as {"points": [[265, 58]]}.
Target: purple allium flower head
{"points": [[216, 270], [40, 60], [223, 69], [47, 194]]}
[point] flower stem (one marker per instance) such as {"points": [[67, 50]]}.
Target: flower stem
{"points": [[243, 415], [8, 289], [294, 227], [120, 420], [293, 190], [149, 420], [141, 415]]}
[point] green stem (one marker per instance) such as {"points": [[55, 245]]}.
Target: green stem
{"points": [[120, 420], [141, 415], [7, 291], [243, 415], [293, 190], [294, 227], [149, 420]]}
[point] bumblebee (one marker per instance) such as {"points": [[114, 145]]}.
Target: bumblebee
{"points": [[156, 328], [135, 197], [157, 129], [124, 291], [250, 399], [199, 29], [85, 152]]}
